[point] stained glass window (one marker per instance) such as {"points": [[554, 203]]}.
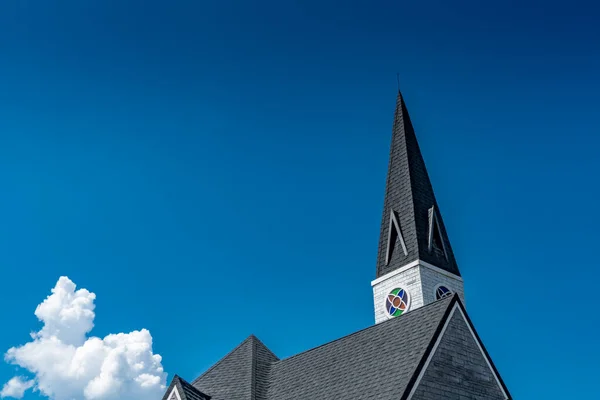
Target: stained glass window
{"points": [[442, 292], [397, 302]]}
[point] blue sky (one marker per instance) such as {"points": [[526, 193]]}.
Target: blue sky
{"points": [[216, 169]]}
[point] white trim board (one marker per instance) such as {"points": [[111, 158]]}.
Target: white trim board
{"points": [[437, 343], [414, 264], [395, 272]]}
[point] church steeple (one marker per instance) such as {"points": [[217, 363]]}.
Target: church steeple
{"points": [[412, 227], [415, 258]]}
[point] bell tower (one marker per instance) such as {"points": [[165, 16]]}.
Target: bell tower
{"points": [[415, 262]]}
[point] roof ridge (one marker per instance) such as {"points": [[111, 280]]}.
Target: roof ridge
{"points": [[448, 299]]}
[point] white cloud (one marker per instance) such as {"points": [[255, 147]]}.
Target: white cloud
{"points": [[16, 387], [67, 364]]}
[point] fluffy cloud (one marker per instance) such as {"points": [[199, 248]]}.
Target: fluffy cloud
{"points": [[16, 387], [68, 364]]}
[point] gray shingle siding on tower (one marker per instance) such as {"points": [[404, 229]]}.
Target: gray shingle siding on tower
{"points": [[410, 194]]}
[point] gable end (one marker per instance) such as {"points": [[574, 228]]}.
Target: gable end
{"points": [[456, 364]]}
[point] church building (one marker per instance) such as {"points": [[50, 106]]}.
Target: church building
{"points": [[423, 346]]}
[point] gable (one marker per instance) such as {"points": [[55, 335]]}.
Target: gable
{"points": [[458, 366], [172, 392]]}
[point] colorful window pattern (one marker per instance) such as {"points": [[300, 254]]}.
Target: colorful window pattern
{"points": [[397, 302], [442, 292]]}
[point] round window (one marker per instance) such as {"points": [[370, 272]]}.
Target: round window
{"points": [[397, 302]]}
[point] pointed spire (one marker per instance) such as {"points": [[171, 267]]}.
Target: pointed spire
{"points": [[412, 227]]}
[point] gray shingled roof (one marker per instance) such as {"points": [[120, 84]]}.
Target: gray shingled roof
{"points": [[380, 362], [375, 363], [410, 195]]}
